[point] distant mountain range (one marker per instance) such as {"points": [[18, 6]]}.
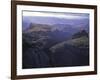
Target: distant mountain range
{"points": [[57, 22], [33, 27]]}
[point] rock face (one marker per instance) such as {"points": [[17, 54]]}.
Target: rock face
{"points": [[70, 56], [44, 46]]}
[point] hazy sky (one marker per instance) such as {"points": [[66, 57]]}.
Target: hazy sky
{"points": [[57, 15]]}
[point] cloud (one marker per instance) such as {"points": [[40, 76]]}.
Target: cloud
{"points": [[57, 15]]}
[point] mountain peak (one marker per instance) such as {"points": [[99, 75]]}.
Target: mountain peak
{"points": [[80, 34]]}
